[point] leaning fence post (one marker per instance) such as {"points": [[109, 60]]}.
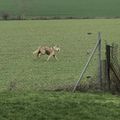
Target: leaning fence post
{"points": [[86, 65]]}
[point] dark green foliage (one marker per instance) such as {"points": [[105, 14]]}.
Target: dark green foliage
{"points": [[68, 8]]}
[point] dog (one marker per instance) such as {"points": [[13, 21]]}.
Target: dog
{"points": [[50, 51]]}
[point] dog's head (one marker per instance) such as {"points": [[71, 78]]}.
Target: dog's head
{"points": [[56, 48]]}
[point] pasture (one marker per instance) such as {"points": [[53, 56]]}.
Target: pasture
{"points": [[22, 71], [23, 78], [75, 8]]}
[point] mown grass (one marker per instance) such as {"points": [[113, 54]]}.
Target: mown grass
{"points": [[21, 71], [22, 77], [59, 106], [78, 8]]}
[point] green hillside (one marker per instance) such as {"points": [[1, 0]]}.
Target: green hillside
{"points": [[75, 8]]}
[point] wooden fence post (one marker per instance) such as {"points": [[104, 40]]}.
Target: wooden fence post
{"points": [[108, 65]]}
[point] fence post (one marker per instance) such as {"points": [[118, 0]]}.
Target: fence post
{"points": [[86, 65], [108, 65]]}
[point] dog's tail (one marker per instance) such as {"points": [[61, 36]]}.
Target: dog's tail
{"points": [[36, 51]]}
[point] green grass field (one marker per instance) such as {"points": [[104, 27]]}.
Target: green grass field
{"points": [[75, 8], [20, 38], [22, 77], [59, 106]]}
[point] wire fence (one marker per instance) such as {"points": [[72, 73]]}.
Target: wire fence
{"points": [[115, 67], [99, 73]]}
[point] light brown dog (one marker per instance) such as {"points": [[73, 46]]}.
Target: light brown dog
{"points": [[50, 51]]}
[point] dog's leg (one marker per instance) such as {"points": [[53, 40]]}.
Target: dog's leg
{"points": [[40, 54], [55, 57], [35, 52], [49, 57]]}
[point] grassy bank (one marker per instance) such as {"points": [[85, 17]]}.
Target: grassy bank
{"points": [[59, 106]]}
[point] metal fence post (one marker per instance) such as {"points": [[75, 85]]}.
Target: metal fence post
{"points": [[87, 64]]}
